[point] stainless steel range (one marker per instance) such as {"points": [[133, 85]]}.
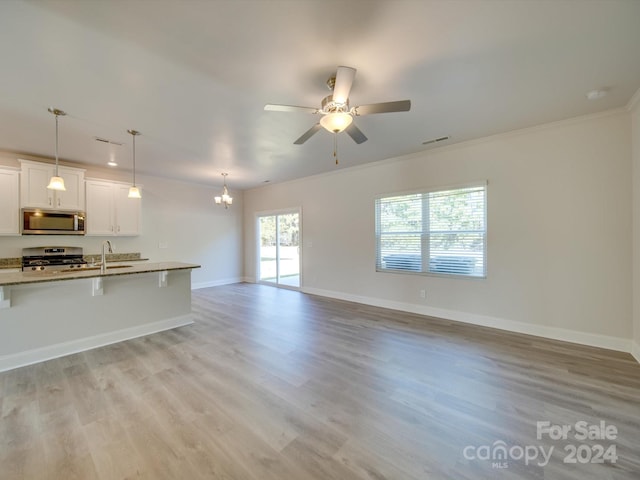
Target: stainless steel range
{"points": [[42, 259]]}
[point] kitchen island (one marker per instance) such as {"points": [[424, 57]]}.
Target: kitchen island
{"points": [[52, 314]]}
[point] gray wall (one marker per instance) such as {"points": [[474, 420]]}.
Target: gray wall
{"points": [[559, 231]]}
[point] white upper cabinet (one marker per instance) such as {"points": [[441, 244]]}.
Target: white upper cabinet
{"points": [[127, 211], [110, 211], [34, 193], [100, 211], [10, 201]]}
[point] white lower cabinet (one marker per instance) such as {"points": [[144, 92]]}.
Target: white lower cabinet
{"points": [[110, 211], [10, 201]]}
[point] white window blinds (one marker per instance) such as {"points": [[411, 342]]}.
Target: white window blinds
{"points": [[438, 232]]}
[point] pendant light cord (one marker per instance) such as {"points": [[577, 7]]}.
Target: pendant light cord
{"points": [[134, 159], [335, 146], [56, 144]]}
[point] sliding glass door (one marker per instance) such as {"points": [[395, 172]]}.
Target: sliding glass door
{"points": [[279, 240]]}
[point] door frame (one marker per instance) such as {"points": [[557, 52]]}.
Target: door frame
{"points": [[268, 213]]}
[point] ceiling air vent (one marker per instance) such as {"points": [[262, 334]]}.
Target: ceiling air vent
{"points": [[104, 140], [435, 140]]}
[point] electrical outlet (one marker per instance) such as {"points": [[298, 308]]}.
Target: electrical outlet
{"points": [[423, 293], [163, 245]]}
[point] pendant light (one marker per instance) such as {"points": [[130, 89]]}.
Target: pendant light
{"points": [[134, 192], [224, 199], [56, 182]]}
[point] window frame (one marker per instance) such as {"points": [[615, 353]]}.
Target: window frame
{"points": [[425, 233]]}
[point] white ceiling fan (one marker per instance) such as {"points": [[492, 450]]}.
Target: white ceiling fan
{"points": [[337, 116]]}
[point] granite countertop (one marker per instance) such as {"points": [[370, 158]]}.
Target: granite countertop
{"points": [[11, 262], [16, 262], [114, 257], [21, 278]]}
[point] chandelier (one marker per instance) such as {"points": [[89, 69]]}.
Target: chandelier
{"points": [[224, 199]]}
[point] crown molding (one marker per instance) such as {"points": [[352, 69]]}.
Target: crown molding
{"points": [[425, 152], [634, 101]]}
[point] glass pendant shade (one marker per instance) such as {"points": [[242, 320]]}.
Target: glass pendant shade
{"points": [[134, 192], [336, 122], [56, 183]]}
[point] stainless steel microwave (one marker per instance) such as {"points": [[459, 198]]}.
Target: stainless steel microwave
{"points": [[52, 222]]}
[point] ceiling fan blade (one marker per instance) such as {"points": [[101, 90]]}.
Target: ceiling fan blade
{"points": [[355, 133], [308, 134], [386, 107], [289, 108], [344, 80]]}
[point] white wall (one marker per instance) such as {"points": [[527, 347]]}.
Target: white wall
{"points": [[559, 231], [180, 214], [635, 145]]}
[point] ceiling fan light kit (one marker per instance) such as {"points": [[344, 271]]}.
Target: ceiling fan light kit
{"points": [[337, 117], [336, 122]]}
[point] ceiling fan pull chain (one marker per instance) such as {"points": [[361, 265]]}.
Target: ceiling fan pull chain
{"points": [[335, 146]]}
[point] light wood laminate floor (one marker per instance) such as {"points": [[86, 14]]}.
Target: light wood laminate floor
{"points": [[272, 384]]}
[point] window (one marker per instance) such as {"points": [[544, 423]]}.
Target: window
{"points": [[433, 232]]}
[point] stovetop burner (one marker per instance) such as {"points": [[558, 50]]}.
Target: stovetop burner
{"points": [[36, 262], [52, 258]]}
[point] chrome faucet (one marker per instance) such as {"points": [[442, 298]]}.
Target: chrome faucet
{"points": [[103, 265]]}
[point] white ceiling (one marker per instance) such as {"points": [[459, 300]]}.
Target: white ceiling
{"points": [[193, 76]]}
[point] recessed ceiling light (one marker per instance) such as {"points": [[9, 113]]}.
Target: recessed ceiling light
{"points": [[111, 163], [597, 94]]}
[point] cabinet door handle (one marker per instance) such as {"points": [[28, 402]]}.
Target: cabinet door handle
{"points": [[118, 228], [58, 202], [112, 228], [49, 201]]}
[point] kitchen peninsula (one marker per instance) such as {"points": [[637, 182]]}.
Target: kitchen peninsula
{"points": [[52, 314]]}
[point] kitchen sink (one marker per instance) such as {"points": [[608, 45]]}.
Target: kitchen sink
{"points": [[108, 267], [112, 267]]}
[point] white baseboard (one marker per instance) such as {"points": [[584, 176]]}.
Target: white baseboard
{"points": [[572, 336], [29, 357], [216, 283], [635, 350]]}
